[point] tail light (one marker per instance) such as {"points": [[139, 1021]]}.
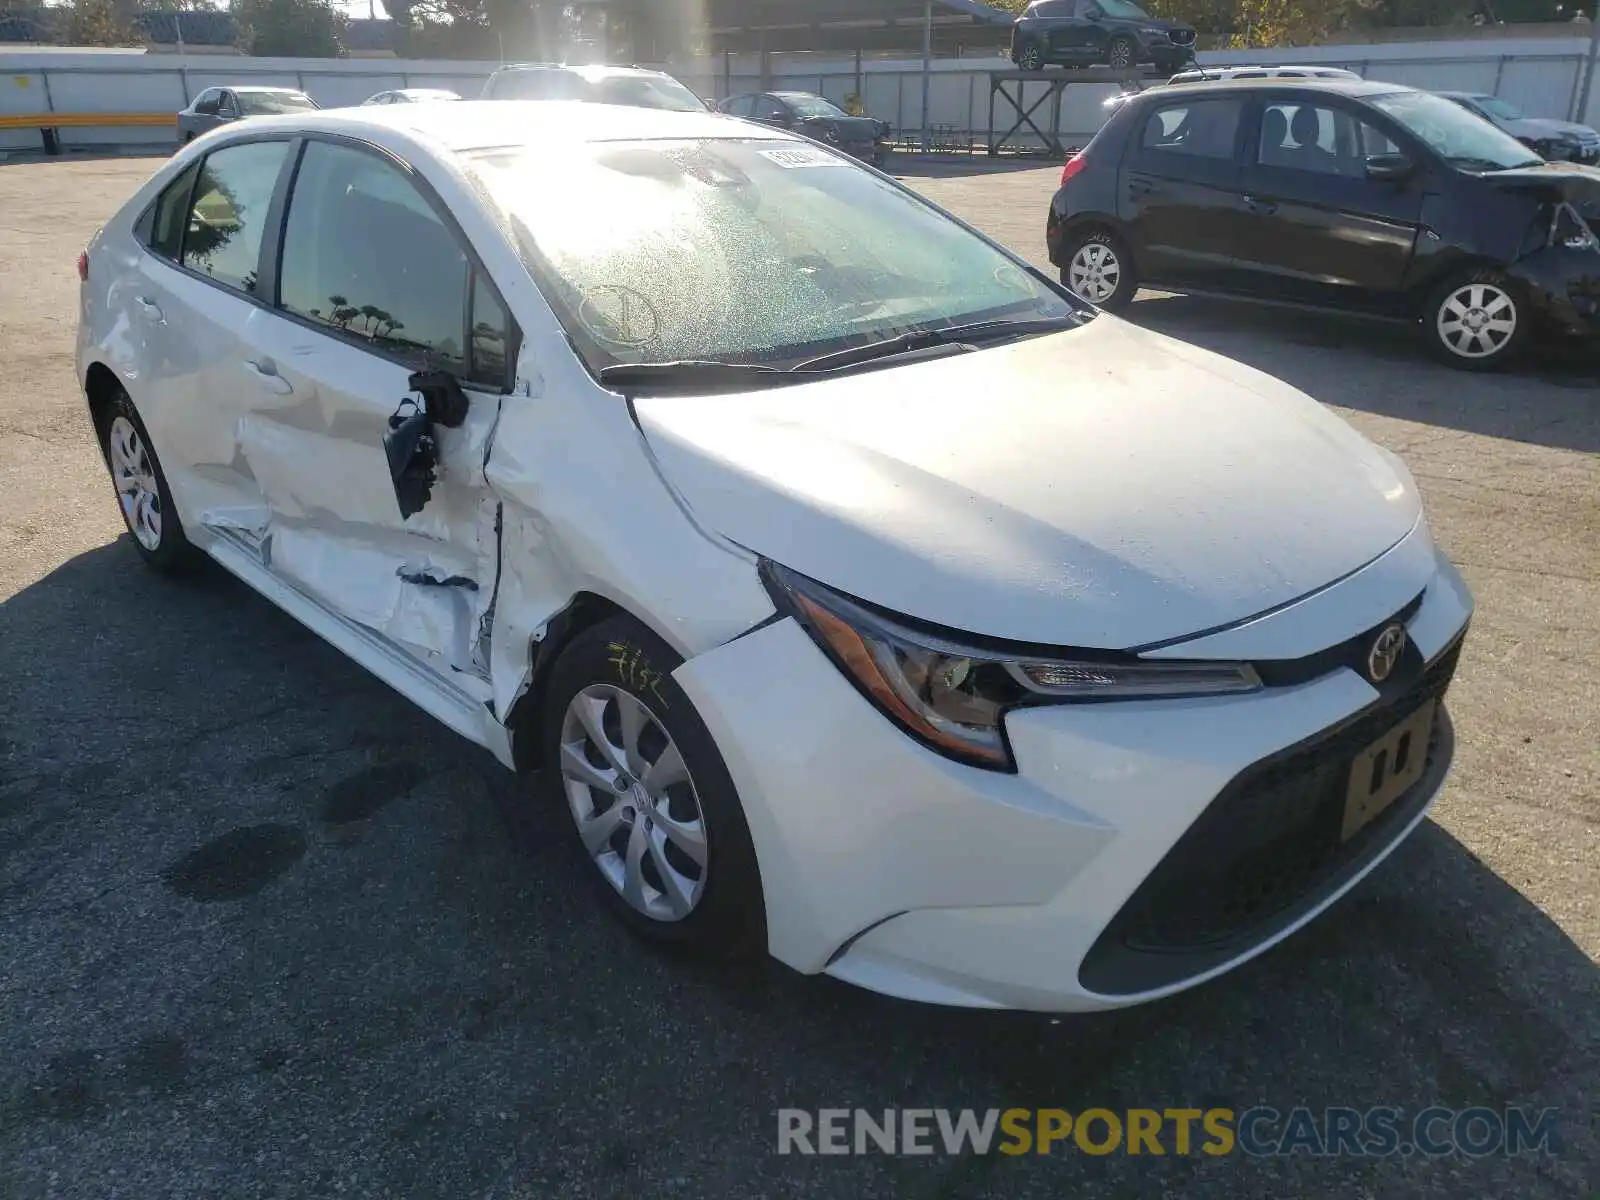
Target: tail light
{"points": [[1074, 164], [83, 266]]}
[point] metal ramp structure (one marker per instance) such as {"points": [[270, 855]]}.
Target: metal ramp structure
{"points": [[1012, 88]]}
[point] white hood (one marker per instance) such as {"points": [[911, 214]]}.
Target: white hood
{"points": [[1103, 487]]}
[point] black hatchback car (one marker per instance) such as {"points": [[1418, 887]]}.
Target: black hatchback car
{"points": [[1341, 194], [1080, 33]]}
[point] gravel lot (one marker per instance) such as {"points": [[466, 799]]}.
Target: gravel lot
{"points": [[265, 932]]}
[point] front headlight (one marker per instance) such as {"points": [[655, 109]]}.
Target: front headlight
{"points": [[953, 697]]}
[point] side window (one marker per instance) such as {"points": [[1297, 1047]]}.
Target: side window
{"points": [[742, 106], [1084, 9], [366, 255], [228, 106], [229, 213], [206, 101], [1311, 137], [768, 109], [165, 235], [1201, 128]]}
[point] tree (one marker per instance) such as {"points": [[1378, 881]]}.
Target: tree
{"points": [[97, 23], [290, 28]]}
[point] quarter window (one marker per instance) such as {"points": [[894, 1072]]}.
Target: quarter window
{"points": [[164, 231], [231, 198], [365, 255], [1201, 128]]}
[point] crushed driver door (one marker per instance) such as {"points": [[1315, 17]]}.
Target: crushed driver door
{"points": [[376, 387]]}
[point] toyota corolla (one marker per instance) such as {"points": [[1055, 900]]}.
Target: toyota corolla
{"points": [[860, 595]]}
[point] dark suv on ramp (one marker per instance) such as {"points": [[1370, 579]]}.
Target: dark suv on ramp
{"points": [[1343, 194], [1116, 33]]}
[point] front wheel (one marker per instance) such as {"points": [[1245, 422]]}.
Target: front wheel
{"points": [[1032, 57], [1099, 269], [1121, 53], [1478, 321], [656, 819]]}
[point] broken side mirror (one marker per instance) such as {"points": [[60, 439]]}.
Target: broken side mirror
{"points": [[411, 442]]}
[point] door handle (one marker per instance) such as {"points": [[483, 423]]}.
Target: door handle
{"points": [[1140, 187], [1263, 208], [150, 309], [266, 374]]}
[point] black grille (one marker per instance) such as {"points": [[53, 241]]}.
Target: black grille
{"points": [[1182, 37], [1265, 850]]}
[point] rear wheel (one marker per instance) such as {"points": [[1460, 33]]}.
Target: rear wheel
{"points": [[1031, 57], [1477, 321], [141, 487], [1099, 269], [1121, 53]]}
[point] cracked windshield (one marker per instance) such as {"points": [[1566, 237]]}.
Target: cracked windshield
{"points": [[744, 251]]}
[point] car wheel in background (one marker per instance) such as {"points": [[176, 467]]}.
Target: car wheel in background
{"points": [[1121, 53], [1478, 320], [1098, 268], [656, 818], [141, 488], [1031, 57]]}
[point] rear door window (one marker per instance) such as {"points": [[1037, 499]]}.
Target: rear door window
{"points": [[1206, 129], [222, 237]]}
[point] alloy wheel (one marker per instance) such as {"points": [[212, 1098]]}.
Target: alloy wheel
{"points": [[1032, 58], [137, 489], [1094, 272], [1477, 320], [1121, 55], [634, 802]]}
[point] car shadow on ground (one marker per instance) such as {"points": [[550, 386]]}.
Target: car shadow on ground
{"points": [[1555, 400], [257, 900]]}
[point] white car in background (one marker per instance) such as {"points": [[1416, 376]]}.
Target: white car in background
{"points": [[865, 596]]}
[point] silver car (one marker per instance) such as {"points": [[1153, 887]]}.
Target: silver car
{"points": [[220, 105]]}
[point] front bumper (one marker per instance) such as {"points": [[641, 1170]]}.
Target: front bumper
{"points": [[890, 867]]}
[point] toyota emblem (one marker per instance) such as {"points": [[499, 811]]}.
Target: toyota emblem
{"points": [[1385, 653]]}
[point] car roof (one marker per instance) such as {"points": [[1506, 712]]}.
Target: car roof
{"points": [[1466, 95], [1340, 87], [256, 89], [487, 124]]}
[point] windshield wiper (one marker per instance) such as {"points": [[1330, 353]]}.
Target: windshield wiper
{"points": [[922, 339], [694, 375]]}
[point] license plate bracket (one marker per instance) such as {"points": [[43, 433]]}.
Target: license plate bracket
{"points": [[1386, 770]]}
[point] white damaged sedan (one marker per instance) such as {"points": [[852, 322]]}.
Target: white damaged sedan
{"points": [[863, 596]]}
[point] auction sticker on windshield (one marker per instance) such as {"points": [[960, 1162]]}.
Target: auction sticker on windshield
{"points": [[803, 156]]}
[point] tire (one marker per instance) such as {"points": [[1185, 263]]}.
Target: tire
{"points": [[140, 486], [708, 905], [1103, 267], [1031, 56], [1478, 320], [1121, 53]]}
